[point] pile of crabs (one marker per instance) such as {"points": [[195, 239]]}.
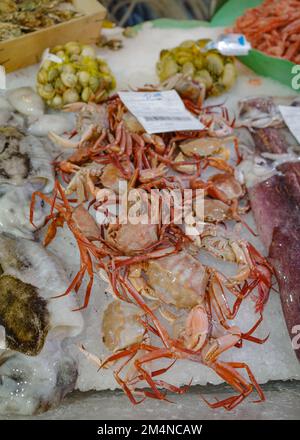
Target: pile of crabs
{"points": [[167, 305]]}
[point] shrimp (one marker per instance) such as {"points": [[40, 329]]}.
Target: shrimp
{"points": [[272, 27]]}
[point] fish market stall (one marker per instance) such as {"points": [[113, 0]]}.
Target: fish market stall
{"points": [[158, 309]]}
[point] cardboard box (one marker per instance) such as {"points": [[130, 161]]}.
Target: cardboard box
{"points": [[26, 50]]}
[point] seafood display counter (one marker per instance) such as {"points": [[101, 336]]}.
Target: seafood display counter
{"points": [[109, 314]]}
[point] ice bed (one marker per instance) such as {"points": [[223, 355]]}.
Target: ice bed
{"points": [[274, 362]]}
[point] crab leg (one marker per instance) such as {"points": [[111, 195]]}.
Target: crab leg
{"points": [[227, 372], [158, 354], [242, 365], [137, 297]]}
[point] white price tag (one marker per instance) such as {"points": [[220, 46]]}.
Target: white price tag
{"points": [[231, 45], [47, 55], [160, 112], [2, 78], [291, 116]]}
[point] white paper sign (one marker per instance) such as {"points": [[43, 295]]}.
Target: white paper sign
{"points": [[160, 112], [2, 78], [291, 116]]}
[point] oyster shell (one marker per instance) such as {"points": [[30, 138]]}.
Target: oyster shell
{"points": [[8, 116], [30, 385], [31, 278], [9, 31], [58, 124], [24, 315], [5, 110], [24, 158], [5, 116], [15, 211], [5, 105], [26, 101], [36, 367]]}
